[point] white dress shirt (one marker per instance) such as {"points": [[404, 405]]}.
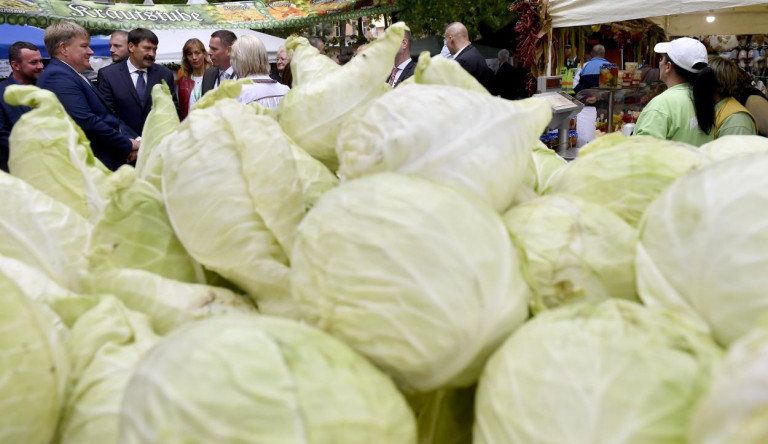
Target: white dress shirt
{"points": [[400, 69], [133, 71]]}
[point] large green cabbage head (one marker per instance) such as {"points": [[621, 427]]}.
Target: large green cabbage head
{"points": [[134, 229], [312, 113], [249, 379], [105, 346], [471, 141], [161, 121], [42, 232], [614, 372], [439, 70], [731, 146], [33, 367], [307, 64], [234, 198], [703, 247], [415, 276], [52, 153], [628, 176], [735, 410], [573, 250]]}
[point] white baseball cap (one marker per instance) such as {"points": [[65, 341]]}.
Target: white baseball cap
{"points": [[687, 53]]}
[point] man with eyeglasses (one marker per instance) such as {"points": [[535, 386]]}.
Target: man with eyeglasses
{"points": [[457, 41]]}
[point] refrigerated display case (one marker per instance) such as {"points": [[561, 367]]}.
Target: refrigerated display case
{"points": [[617, 106]]}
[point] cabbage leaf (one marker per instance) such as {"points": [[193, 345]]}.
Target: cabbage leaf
{"points": [[53, 154], [247, 379], [311, 113]]}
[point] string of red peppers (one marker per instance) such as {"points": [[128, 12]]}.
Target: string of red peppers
{"points": [[527, 26]]}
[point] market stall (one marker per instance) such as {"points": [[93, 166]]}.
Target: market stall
{"points": [[677, 17], [621, 99]]}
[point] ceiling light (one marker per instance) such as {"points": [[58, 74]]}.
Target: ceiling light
{"points": [[710, 18]]}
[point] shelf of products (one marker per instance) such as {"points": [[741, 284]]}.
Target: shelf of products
{"points": [[623, 104]]}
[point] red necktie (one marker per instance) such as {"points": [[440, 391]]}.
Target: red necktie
{"points": [[392, 77]]}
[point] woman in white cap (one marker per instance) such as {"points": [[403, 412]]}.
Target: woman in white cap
{"points": [[685, 112]]}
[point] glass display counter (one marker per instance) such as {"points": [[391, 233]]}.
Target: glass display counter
{"points": [[617, 106]]}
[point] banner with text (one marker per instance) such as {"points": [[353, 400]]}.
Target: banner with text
{"points": [[261, 14]]}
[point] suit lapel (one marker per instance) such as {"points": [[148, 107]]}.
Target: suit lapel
{"points": [[88, 86], [128, 81]]}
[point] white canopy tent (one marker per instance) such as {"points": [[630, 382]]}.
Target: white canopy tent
{"points": [[171, 42], [566, 13], [742, 20], [676, 17]]}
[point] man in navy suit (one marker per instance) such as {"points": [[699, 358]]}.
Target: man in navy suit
{"points": [[127, 86], [457, 41], [27, 64], [69, 46]]}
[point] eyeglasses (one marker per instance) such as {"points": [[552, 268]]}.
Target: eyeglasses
{"points": [[281, 59]]}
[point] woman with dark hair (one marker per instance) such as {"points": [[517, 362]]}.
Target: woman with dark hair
{"points": [[731, 117], [194, 62], [685, 112]]}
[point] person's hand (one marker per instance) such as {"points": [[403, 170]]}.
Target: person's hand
{"points": [[135, 145]]}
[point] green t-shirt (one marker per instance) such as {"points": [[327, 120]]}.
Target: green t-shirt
{"points": [[672, 116], [738, 124]]}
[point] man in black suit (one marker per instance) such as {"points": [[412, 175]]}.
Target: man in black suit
{"points": [[404, 65], [127, 86], [219, 49], [457, 40], [506, 79]]}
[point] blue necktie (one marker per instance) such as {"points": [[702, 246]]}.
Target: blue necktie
{"points": [[141, 86]]}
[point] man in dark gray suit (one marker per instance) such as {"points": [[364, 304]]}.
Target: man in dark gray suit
{"points": [[404, 65], [219, 49], [457, 40], [127, 86]]}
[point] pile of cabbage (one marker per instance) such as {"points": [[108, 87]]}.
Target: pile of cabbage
{"points": [[369, 265]]}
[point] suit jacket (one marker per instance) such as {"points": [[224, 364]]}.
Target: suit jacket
{"points": [[407, 72], [9, 115], [474, 63], [209, 78], [509, 82], [116, 86], [89, 110]]}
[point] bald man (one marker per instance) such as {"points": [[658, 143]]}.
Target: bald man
{"points": [[457, 41], [590, 73]]}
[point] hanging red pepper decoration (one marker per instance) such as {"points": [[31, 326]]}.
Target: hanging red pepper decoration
{"points": [[527, 26]]}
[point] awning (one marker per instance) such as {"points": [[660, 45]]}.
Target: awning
{"points": [[565, 13], [261, 14]]}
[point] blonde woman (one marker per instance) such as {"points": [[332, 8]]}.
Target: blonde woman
{"points": [[731, 117], [284, 66], [249, 61], [195, 61]]}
